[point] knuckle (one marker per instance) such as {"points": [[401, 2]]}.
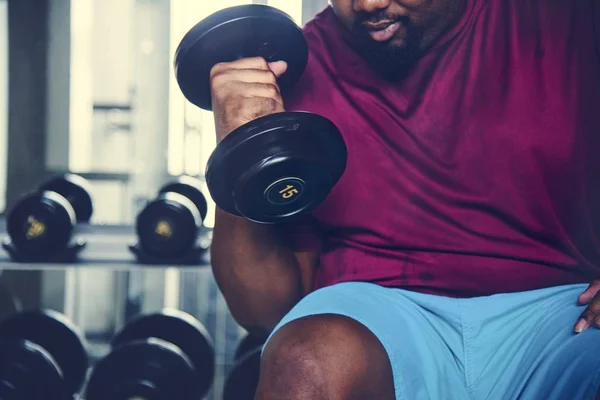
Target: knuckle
{"points": [[594, 308], [270, 104], [270, 77], [219, 80], [217, 69], [588, 315], [261, 62], [272, 91]]}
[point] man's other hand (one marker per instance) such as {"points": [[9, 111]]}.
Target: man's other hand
{"points": [[591, 315]]}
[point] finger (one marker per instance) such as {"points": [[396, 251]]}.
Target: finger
{"points": [[588, 294], [590, 316], [244, 75], [248, 90], [265, 90], [242, 63], [278, 68]]}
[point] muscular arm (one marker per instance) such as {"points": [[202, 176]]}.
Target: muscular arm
{"points": [[258, 271], [256, 267]]}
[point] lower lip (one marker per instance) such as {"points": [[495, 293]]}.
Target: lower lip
{"points": [[385, 34]]}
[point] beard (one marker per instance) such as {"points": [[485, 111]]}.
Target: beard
{"points": [[391, 60]]}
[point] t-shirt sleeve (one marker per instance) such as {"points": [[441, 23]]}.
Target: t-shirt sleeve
{"points": [[303, 235]]}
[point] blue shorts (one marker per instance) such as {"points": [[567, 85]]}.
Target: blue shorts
{"points": [[507, 346]]}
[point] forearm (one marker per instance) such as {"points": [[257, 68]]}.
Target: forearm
{"points": [[256, 271]]}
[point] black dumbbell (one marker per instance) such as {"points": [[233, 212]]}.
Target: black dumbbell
{"points": [[168, 226], [42, 222], [278, 166], [42, 356], [163, 356], [242, 380], [9, 302]]}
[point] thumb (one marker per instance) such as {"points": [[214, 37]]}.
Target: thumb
{"points": [[278, 68]]}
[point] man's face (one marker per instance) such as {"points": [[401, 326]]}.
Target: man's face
{"points": [[393, 34]]}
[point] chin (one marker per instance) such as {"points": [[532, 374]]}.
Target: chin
{"points": [[397, 42], [392, 61]]}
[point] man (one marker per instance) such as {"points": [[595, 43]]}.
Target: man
{"points": [[454, 258]]}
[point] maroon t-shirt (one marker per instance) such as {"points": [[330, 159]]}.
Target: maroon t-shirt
{"points": [[479, 172]]}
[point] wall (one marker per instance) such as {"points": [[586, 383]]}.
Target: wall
{"points": [[113, 55], [3, 97], [312, 7], [27, 66], [27, 78]]}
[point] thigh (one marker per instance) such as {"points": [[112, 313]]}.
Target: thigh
{"points": [[423, 344], [526, 348]]}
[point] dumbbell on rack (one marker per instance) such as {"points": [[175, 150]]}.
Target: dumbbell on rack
{"points": [[42, 356], [10, 304], [42, 223], [163, 356], [242, 380], [278, 166], [168, 227]]}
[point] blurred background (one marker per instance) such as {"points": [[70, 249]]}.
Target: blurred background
{"points": [[87, 86]]}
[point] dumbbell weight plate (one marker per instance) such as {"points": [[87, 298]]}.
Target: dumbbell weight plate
{"points": [[233, 33], [27, 371], [77, 192], [190, 188], [248, 344], [277, 166], [168, 226], [150, 369], [41, 223], [9, 302], [55, 334], [182, 330], [242, 381]]}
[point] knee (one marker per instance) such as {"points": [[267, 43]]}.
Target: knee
{"points": [[308, 347], [320, 355]]}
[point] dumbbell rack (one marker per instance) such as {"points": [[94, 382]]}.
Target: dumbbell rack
{"points": [[106, 246], [107, 250]]}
